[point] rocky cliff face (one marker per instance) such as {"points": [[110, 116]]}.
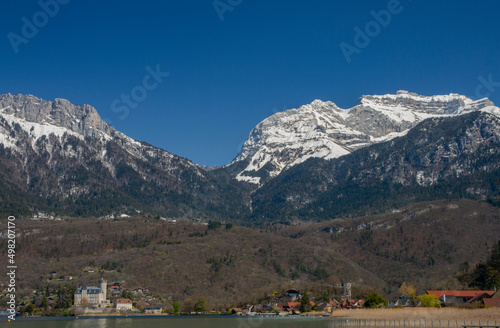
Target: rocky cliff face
{"points": [[324, 130], [82, 120], [68, 155]]}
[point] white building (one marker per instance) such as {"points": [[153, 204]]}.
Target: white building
{"points": [[123, 304]]}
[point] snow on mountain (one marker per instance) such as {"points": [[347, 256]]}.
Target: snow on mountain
{"points": [[36, 130], [59, 129], [41, 118], [66, 159], [322, 129], [440, 158]]}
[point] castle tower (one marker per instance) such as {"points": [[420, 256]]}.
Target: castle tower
{"points": [[346, 290], [103, 285], [84, 291]]}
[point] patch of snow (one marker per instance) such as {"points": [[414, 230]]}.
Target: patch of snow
{"points": [[241, 177], [36, 130], [6, 140], [389, 136]]}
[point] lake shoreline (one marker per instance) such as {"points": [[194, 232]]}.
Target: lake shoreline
{"points": [[164, 316]]}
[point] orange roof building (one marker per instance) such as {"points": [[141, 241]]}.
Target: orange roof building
{"points": [[464, 295], [493, 302]]}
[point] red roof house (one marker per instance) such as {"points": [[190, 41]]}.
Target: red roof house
{"points": [[494, 302], [479, 297], [293, 306], [464, 295]]}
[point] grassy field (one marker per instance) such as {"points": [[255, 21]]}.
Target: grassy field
{"points": [[448, 314]]}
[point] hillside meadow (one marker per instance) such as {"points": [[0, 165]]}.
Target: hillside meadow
{"points": [[422, 244]]}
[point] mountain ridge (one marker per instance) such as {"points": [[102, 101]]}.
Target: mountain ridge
{"points": [[68, 156], [441, 158], [65, 158], [324, 130]]}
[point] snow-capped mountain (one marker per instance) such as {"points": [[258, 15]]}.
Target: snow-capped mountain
{"points": [[68, 155], [63, 158], [440, 158], [324, 130], [47, 123]]}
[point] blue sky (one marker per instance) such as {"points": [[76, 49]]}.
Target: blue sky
{"points": [[225, 76]]}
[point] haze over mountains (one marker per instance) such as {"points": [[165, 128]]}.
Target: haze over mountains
{"points": [[300, 163]]}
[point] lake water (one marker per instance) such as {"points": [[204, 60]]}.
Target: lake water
{"points": [[173, 322]]}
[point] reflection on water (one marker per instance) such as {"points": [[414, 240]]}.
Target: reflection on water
{"points": [[176, 322], [110, 323]]}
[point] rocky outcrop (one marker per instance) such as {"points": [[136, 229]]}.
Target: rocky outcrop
{"points": [[81, 119]]}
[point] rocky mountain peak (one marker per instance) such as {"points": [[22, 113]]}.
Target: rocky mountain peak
{"points": [[440, 104], [81, 119], [322, 129], [68, 154]]}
